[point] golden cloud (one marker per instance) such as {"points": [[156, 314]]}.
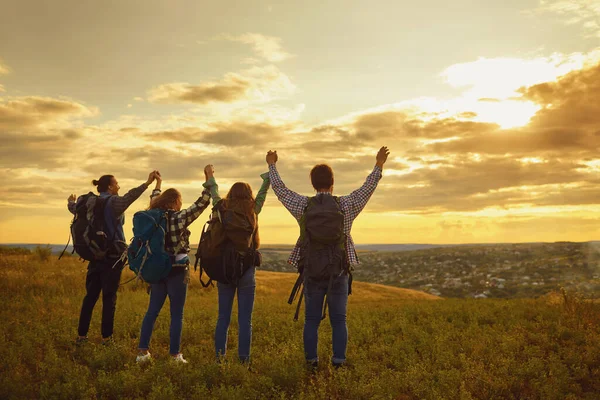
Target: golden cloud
{"points": [[21, 113], [260, 84]]}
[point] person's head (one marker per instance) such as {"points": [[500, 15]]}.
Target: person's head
{"points": [[241, 193], [321, 177], [170, 199], [107, 183]]}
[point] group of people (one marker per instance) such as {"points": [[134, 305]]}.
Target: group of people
{"points": [[314, 250]]}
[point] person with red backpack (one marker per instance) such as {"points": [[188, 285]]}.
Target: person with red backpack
{"points": [[324, 254], [98, 237], [174, 285], [235, 223]]}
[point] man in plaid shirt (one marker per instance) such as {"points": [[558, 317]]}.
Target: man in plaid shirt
{"points": [[351, 205]]}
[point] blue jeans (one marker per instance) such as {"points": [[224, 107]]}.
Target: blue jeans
{"points": [[245, 290], [337, 302], [175, 286]]}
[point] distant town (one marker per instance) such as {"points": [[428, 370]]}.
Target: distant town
{"points": [[476, 271]]}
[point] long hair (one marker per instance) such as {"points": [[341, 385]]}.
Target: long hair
{"points": [[103, 183], [241, 193], [167, 200]]}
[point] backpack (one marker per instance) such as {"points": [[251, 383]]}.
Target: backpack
{"points": [[322, 245], [226, 249], [90, 241], [147, 254]]}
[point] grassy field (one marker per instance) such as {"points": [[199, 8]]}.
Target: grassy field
{"points": [[403, 344]]}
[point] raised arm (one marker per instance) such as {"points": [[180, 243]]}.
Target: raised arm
{"points": [[291, 200], [156, 191], [71, 203], [211, 183], [259, 201], [190, 214], [357, 200], [120, 203]]}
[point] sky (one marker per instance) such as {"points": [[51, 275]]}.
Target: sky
{"points": [[491, 110]]}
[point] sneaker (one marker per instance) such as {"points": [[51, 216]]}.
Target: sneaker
{"points": [[81, 340], [179, 359], [142, 358]]}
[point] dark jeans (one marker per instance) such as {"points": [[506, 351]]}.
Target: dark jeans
{"points": [[175, 286], [337, 301], [245, 291], [101, 277]]}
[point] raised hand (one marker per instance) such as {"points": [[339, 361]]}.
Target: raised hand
{"points": [[209, 171], [382, 156], [151, 177], [72, 198], [157, 176], [271, 157]]}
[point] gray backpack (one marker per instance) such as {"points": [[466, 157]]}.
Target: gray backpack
{"points": [[322, 245]]}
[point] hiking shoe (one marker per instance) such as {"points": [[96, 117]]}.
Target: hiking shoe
{"points": [[142, 358], [312, 365], [338, 365], [81, 340], [108, 341], [179, 359]]}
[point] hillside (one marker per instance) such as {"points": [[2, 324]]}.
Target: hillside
{"points": [[401, 345]]}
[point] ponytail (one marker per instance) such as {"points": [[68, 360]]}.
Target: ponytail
{"points": [[103, 183]]}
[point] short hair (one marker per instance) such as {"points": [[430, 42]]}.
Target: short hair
{"points": [[321, 176]]}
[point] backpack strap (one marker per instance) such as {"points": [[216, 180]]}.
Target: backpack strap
{"points": [[299, 283], [65, 249], [299, 304], [207, 284], [198, 248], [349, 283], [210, 281]]}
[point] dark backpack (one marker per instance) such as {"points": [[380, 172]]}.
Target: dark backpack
{"points": [[322, 245], [147, 254], [226, 249], [88, 228]]}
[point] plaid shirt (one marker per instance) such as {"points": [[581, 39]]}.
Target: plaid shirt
{"points": [[351, 205], [178, 240]]}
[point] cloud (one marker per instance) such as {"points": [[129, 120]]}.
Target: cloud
{"points": [[40, 131], [262, 84], [443, 160], [23, 113], [584, 13], [267, 47], [234, 134], [45, 150]]}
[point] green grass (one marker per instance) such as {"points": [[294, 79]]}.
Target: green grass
{"points": [[402, 344]]}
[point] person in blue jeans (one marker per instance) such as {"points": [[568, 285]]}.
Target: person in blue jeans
{"points": [[246, 288], [337, 300], [174, 286], [351, 205]]}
